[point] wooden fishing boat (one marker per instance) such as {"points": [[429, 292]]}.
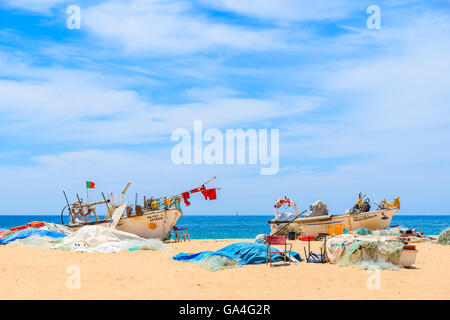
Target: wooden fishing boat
{"points": [[319, 225], [150, 224], [153, 220]]}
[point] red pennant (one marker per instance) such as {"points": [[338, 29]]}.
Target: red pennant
{"points": [[186, 196]]}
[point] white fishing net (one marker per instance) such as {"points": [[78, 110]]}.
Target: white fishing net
{"points": [[93, 239], [102, 239]]}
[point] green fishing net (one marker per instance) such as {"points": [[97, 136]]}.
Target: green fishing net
{"points": [[444, 237], [388, 232], [372, 255], [144, 244], [215, 263], [362, 231], [377, 265], [37, 241]]}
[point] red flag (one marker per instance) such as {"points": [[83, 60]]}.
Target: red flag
{"points": [[186, 196], [197, 189], [210, 193]]}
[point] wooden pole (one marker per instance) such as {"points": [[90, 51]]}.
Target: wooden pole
{"points": [[108, 214], [285, 226]]}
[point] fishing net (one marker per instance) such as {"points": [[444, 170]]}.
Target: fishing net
{"points": [[388, 232], [57, 227], [116, 246], [36, 241], [377, 265], [216, 263], [144, 244], [362, 231], [372, 254], [444, 237]]}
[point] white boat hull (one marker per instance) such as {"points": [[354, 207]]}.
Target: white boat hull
{"points": [[314, 226], [150, 225]]}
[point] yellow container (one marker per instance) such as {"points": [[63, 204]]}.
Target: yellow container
{"points": [[336, 229]]}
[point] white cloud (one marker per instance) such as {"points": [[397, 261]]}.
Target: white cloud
{"points": [[170, 27], [76, 105]]}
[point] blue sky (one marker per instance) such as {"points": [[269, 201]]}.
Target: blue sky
{"points": [[357, 109]]}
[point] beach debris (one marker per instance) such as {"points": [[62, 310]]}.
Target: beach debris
{"points": [[242, 253], [444, 237]]}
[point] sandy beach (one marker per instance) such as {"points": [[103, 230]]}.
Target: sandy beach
{"points": [[35, 273]]}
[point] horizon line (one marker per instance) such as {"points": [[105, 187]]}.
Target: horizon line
{"points": [[221, 214]]}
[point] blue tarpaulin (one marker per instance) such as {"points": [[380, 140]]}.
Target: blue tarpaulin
{"points": [[30, 232], [242, 252]]}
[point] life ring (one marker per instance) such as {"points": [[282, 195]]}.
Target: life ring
{"points": [[88, 212], [79, 211]]}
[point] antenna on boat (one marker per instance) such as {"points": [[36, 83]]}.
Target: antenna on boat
{"points": [[210, 180], [68, 208], [126, 188], [107, 207]]}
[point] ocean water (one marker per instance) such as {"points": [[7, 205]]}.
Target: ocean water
{"points": [[243, 227]]}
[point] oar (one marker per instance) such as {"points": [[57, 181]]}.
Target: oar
{"points": [[284, 227]]}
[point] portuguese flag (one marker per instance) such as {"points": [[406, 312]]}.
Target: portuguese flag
{"points": [[90, 185]]}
